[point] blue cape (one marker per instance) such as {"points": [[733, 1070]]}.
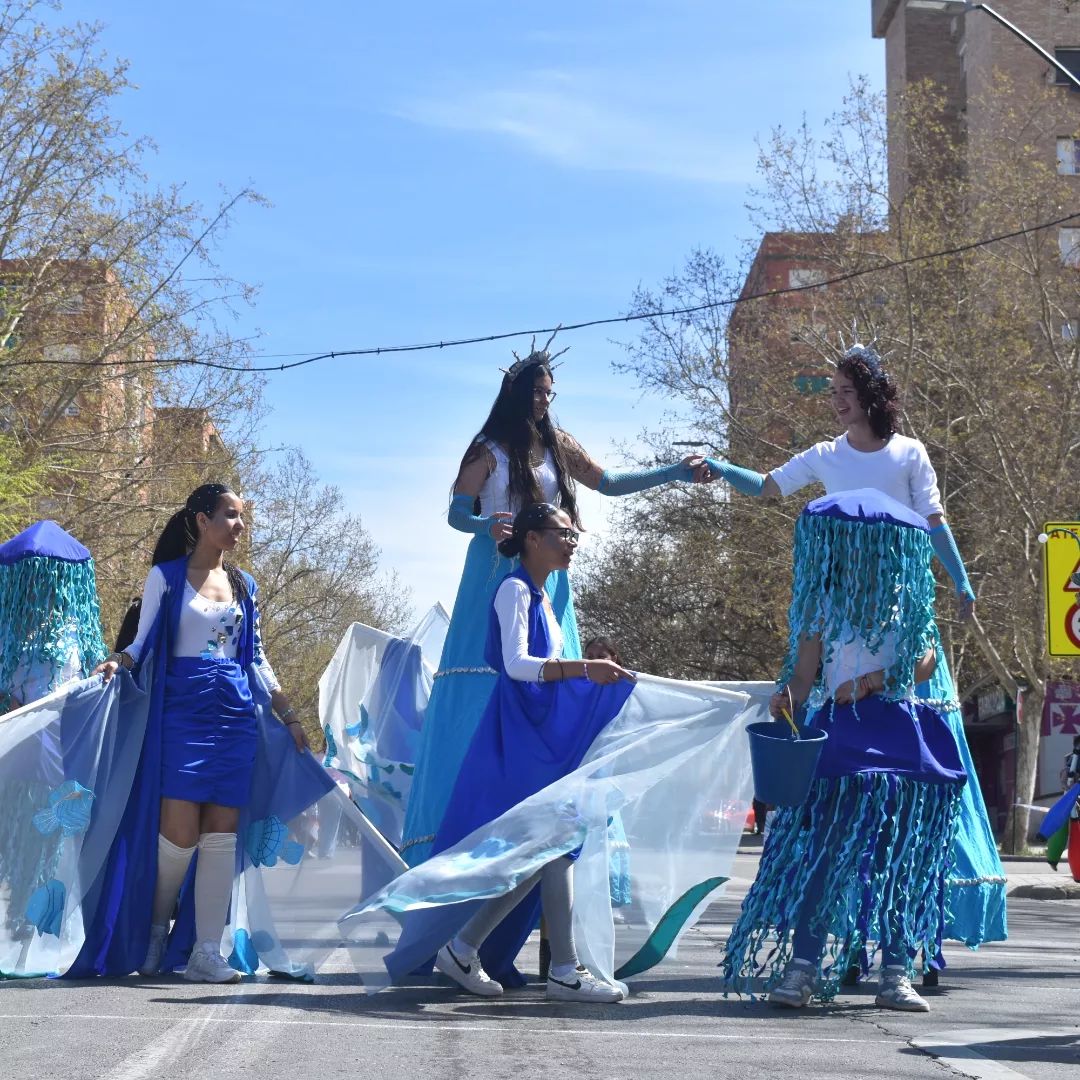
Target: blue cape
{"points": [[120, 896]]}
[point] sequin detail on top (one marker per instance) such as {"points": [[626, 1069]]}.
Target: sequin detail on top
{"points": [[223, 620]]}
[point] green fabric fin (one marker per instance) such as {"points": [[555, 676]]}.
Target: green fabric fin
{"points": [[1056, 845], [667, 929]]}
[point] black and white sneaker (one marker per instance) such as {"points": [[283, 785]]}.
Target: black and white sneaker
{"points": [[582, 985], [469, 975]]}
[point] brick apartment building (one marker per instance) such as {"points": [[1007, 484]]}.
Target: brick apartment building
{"points": [[77, 389]]}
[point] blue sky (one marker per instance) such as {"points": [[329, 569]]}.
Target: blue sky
{"points": [[439, 170]]}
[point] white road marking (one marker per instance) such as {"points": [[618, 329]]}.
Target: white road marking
{"points": [[501, 1028], [153, 1058], [954, 1048]]}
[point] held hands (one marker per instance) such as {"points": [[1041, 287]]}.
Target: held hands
{"points": [[501, 527], [699, 469], [606, 672]]}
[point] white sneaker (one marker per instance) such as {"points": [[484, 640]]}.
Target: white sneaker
{"points": [[156, 946], [583, 985], [469, 976], [796, 987], [896, 992], [206, 964]]}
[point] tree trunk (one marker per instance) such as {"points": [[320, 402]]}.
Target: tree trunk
{"points": [[1028, 733]]}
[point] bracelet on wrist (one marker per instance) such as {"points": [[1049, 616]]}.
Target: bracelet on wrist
{"points": [[290, 711], [289, 723]]}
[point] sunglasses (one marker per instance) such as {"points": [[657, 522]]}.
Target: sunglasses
{"points": [[545, 395], [566, 534]]}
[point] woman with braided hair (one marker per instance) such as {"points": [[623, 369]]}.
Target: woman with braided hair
{"points": [[872, 453], [199, 616], [520, 456]]}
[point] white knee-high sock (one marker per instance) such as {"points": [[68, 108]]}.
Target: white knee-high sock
{"points": [[213, 885], [172, 864]]}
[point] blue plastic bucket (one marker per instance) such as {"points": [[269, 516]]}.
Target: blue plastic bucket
{"points": [[784, 766]]}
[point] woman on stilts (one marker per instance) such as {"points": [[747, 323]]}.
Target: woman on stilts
{"points": [[872, 453], [519, 457], [865, 858]]}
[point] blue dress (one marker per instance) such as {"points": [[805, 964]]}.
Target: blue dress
{"points": [[530, 735], [463, 686], [975, 909]]}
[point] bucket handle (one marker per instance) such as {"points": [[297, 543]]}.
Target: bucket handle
{"points": [[787, 713]]}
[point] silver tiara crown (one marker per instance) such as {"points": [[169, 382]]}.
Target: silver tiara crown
{"points": [[534, 356], [857, 351]]}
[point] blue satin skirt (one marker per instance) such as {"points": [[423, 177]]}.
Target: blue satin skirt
{"points": [[209, 732]]}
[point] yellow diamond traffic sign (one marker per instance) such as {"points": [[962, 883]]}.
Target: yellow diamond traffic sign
{"points": [[1061, 554]]}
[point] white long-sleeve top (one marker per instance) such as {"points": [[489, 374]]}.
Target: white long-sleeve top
{"points": [[208, 628], [900, 469], [512, 609]]}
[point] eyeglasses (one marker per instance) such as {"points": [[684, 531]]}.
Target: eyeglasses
{"points": [[566, 534], [544, 395]]}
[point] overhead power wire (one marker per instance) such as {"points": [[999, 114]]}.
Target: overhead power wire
{"points": [[480, 339]]}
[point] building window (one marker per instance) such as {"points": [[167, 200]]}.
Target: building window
{"points": [[70, 304], [1068, 58], [800, 277], [70, 354], [1069, 245], [1068, 153]]}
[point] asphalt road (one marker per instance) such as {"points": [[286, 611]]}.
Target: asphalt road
{"points": [[1006, 1011]]}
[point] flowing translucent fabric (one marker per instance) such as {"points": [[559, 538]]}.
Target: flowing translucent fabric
{"points": [[67, 763], [674, 762], [372, 699], [68, 769]]}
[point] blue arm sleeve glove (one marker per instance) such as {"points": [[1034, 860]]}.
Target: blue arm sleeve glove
{"points": [[944, 545], [630, 481], [462, 518], [744, 480]]}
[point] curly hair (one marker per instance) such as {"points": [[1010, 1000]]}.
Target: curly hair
{"points": [[878, 394]]}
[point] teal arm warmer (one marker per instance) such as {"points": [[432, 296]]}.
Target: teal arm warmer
{"points": [[462, 518], [944, 544], [744, 480], [630, 481]]}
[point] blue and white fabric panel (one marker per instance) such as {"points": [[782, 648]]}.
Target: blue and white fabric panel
{"points": [[674, 754], [372, 700]]}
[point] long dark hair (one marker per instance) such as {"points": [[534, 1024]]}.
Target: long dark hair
{"points": [[129, 627], [878, 394], [529, 518], [181, 533], [510, 424]]}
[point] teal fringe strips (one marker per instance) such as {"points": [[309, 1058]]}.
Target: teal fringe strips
{"points": [[871, 852], [44, 605], [865, 579]]}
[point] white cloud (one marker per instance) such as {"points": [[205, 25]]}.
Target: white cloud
{"points": [[592, 122]]}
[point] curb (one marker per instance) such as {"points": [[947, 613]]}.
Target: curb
{"points": [[1065, 891]]}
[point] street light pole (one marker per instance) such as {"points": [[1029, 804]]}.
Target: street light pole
{"points": [[1024, 37]]}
